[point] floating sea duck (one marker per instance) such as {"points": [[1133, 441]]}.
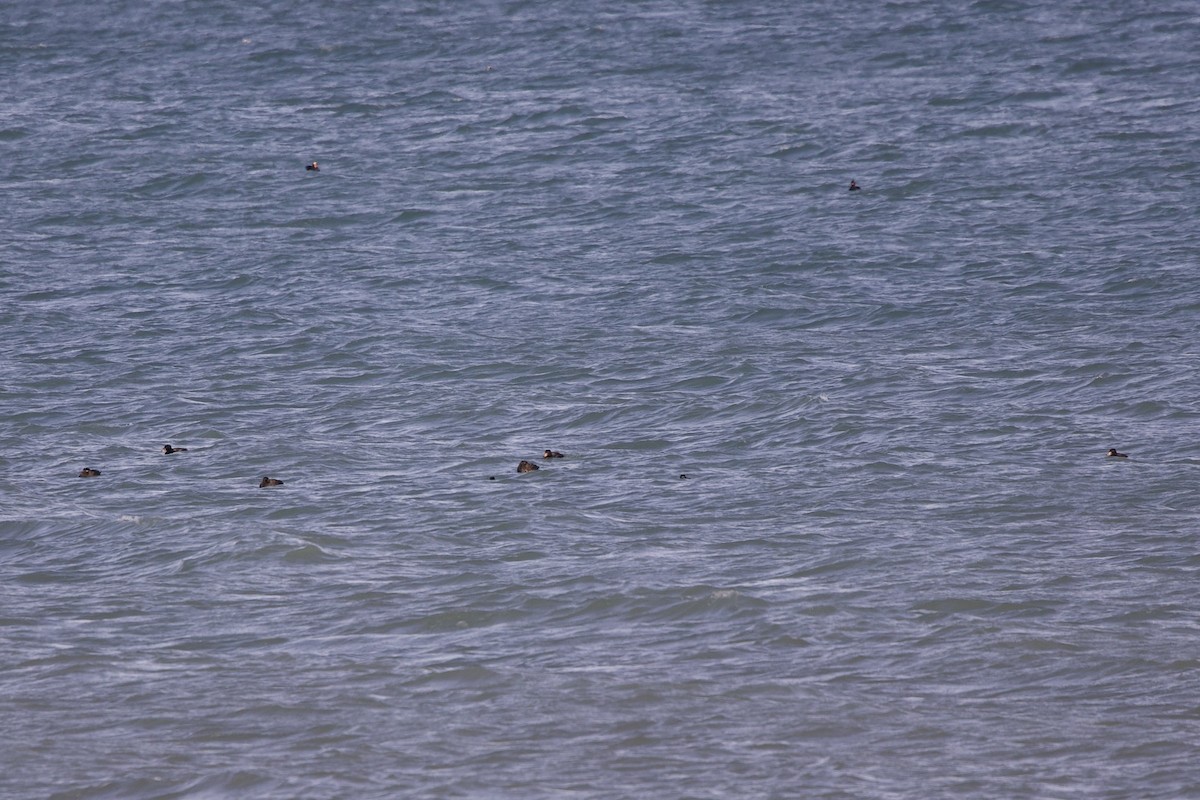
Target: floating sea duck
{"points": [[527, 466], [88, 472], [854, 187], [552, 454], [1112, 453], [269, 482], [168, 450], [682, 477], [313, 167]]}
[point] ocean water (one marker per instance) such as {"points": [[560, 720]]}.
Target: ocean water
{"points": [[899, 565]]}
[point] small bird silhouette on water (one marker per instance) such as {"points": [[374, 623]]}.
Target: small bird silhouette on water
{"points": [[313, 167], [552, 454], [266, 481], [88, 472], [1112, 453], [854, 187], [168, 450]]}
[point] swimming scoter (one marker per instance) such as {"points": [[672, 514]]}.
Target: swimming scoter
{"points": [[313, 167], [854, 187], [1112, 453], [527, 466], [269, 482], [168, 450], [88, 472], [552, 454]]}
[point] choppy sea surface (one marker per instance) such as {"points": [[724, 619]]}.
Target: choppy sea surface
{"points": [[900, 564]]}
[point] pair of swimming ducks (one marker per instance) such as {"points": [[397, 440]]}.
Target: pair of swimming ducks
{"points": [[168, 450], [264, 483], [529, 466]]}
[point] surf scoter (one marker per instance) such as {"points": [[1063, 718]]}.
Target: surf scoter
{"points": [[552, 454], [313, 167], [269, 482], [168, 450], [854, 187], [527, 466], [1112, 453], [88, 472]]}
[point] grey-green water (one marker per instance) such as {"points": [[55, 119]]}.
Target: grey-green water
{"points": [[900, 565]]}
